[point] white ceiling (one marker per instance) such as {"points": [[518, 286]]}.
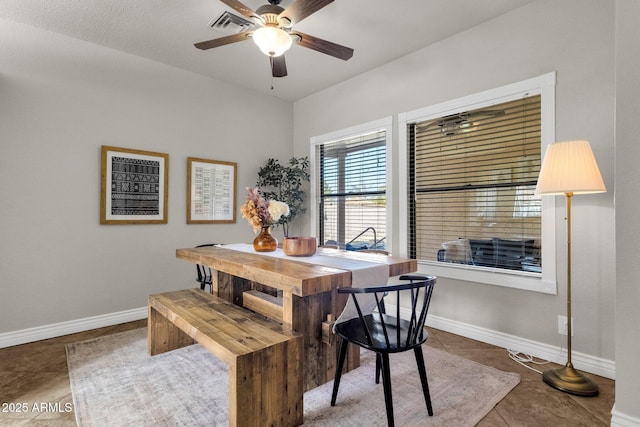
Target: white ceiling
{"points": [[165, 30]]}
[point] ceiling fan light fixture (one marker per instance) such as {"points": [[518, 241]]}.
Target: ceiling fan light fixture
{"points": [[272, 40]]}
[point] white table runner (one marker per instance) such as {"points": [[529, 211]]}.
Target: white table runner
{"points": [[363, 274]]}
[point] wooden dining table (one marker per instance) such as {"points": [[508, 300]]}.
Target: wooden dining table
{"points": [[297, 292]]}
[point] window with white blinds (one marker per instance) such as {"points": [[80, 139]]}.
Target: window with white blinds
{"points": [[472, 177], [351, 191]]}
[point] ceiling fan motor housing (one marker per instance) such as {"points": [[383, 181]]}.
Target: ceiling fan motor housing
{"points": [[269, 14]]}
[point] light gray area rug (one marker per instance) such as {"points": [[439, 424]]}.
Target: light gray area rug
{"points": [[116, 383]]}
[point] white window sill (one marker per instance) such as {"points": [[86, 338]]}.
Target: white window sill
{"points": [[490, 276]]}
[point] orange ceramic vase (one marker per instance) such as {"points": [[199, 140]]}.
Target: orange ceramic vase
{"points": [[265, 242]]}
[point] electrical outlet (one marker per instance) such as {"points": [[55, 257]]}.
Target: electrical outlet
{"points": [[563, 325]]}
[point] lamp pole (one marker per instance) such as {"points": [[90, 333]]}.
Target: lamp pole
{"points": [[568, 196], [567, 378]]}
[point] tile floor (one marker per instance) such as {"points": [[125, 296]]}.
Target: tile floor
{"points": [[36, 373]]}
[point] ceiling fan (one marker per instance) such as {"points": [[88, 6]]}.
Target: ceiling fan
{"points": [[274, 34]]}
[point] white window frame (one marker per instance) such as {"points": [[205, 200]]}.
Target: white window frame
{"points": [[385, 124], [545, 282]]}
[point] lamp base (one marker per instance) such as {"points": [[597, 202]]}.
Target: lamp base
{"points": [[571, 381]]}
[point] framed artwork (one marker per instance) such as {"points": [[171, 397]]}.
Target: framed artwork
{"points": [[211, 191], [134, 186]]}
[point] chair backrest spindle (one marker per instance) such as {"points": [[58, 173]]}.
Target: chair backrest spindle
{"points": [[366, 328], [381, 313]]}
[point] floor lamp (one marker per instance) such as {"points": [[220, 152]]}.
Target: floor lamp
{"points": [[569, 168]]}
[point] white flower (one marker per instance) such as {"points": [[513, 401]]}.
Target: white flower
{"points": [[277, 209]]}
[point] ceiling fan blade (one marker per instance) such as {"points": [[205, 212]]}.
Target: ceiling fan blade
{"points": [[300, 9], [278, 66], [223, 40], [324, 46], [240, 8]]}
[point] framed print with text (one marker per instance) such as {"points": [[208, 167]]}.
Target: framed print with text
{"points": [[211, 191], [134, 186]]}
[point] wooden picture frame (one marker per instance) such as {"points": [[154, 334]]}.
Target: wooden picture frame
{"points": [[211, 191], [133, 186]]}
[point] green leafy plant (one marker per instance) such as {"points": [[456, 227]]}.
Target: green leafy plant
{"points": [[285, 183]]}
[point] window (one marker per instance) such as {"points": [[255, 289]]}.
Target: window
{"points": [[472, 167], [471, 171], [349, 185]]}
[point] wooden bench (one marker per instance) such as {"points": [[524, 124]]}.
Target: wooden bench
{"points": [[265, 361]]}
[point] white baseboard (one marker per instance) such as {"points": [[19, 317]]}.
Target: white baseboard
{"points": [[38, 333], [584, 362], [622, 420]]}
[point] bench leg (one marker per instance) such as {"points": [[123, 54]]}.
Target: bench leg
{"points": [[163, 335], [265, 387]]}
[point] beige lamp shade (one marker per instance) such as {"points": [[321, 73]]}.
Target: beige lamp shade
{"points": [[569, 167]]}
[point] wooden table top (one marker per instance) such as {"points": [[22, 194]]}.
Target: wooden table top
{"points": [[289, 274]]}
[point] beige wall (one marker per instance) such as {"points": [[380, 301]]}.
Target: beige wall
{"points": [[60, 100], [575, 38], [627, 177]]}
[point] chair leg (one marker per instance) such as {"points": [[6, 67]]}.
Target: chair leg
{"points": [[386, 385], [336, 382], [423, 378], [378, 367]]}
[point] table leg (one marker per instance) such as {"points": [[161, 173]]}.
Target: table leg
{"points": [[287, 311], [304, 315], [230, 287], [307, 315]]}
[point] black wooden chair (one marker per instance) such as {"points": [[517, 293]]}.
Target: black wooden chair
{"points": [[384, 333], [204, 273]]}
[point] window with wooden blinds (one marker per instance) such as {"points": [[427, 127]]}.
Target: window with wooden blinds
{"points": [[471, 182], [352, 191]]}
